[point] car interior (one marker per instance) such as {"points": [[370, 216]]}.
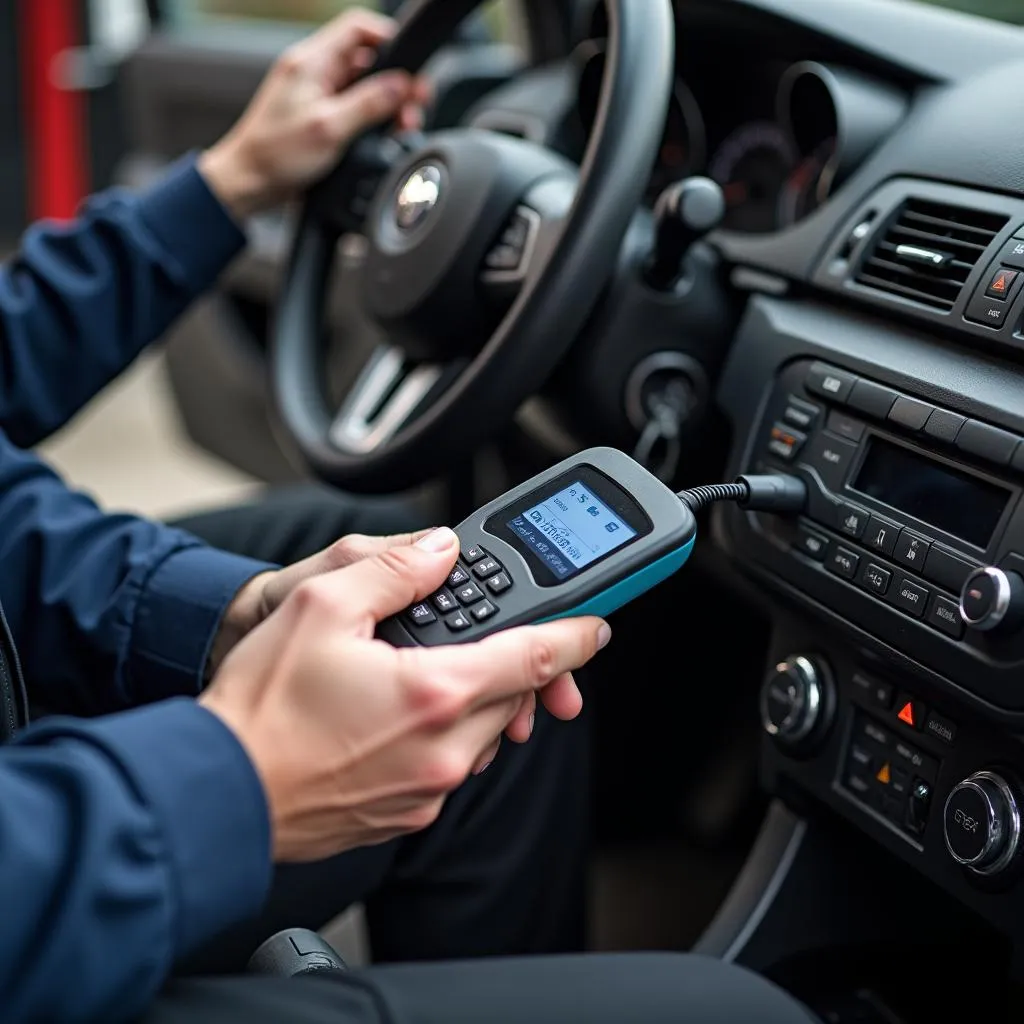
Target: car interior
{"points": [[725, 237]]}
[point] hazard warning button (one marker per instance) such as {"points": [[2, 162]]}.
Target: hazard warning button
{"points": [[910, 712], [1001, 283]]}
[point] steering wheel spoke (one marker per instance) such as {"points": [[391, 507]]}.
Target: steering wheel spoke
{"points": [[389, 390]]}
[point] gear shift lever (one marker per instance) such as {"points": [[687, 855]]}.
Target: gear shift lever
{"points": [[683, 214], [293, 952]]}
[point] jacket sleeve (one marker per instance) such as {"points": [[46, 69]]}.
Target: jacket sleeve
{"points": [[80, 300], [107, 611], [125, 842]]}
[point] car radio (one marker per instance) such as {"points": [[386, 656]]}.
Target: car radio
{"points": [[914, 527]]}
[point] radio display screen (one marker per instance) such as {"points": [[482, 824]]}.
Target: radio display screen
{"points": [[957, 503]]}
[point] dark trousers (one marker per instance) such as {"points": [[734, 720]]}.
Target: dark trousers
{"points": [[501, 872], [651, 988]]}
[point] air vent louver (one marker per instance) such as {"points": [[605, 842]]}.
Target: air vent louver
{"points": [[928, 252]]}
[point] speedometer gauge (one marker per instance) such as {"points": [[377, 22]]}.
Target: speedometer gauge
{"points": [[752, 165]]}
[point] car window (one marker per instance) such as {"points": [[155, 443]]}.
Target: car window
{"points": [[494, 22]]}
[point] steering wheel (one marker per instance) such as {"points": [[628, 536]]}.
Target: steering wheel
{"points": [[485, 255]]}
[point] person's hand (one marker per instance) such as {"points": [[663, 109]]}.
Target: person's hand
{"points": [[307, 111], [357, 742]]}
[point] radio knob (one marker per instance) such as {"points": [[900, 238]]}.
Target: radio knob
{"points": [[993, 599], [982, 823], [797, 701]]}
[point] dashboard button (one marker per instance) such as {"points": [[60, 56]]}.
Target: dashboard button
{"points": [[474, 554], [831, 458], [918, 806], [876, 579], [983, 310], [941, 728], [911, 550], [830, 383], [876, 691], [852, 521], [1001, 282], [845, 426], [944, 615], [872, 399], [911, 597], [988, 443], [910, 712], [913, 758], [812, 544], [944, 426], [843, 562], [1013, 254], [909, 413], [881, 535], [800, 414], [947, 570], [785, 442]]}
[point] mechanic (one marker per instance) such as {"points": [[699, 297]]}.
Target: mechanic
{"points": [[133, 835]]}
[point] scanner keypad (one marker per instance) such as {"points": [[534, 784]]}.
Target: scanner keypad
{"points": [[462, 602]]}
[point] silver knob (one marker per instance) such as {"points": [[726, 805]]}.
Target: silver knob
{"points": [[992, 599], [793, 699], [981, 821]]}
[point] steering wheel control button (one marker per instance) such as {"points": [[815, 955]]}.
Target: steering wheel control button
{"points": [[486, 568], [992, 599], [509, 257], [499, 584], [457, 622], [800, 414], [830, 383], [469, 594], [981, 821], [910, 414], [795, 701], [445, 602], [989, 443], [944, 425], [482, 612], [872, 399], [1001, 283], [421, 615], [876, 579], [785, 443], [944, 615], [911, 550], [881, 535], [843, 562], [911, 597], [941, 728], [812, 544], [844, 426], [474, 554], [852, 521], [457, 577]]}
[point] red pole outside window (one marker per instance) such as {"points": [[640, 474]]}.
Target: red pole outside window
{"points": [[54, 117]]}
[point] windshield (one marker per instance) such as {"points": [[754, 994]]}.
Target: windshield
{"points": [[1002, 10]]}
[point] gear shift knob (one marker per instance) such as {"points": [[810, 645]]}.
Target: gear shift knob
{"points": [[683, 214], [293, 952]]}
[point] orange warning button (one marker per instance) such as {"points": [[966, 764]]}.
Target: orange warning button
{"points": [[907, 713], [1001, 283], [884, 774]]}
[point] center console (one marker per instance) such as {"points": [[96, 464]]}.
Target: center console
{"points": [[893, 699]]}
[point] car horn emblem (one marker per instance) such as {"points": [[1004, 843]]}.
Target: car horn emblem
{"points": [[418, 196]]}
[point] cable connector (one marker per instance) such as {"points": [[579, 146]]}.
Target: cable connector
{"points": [[776, 492]]}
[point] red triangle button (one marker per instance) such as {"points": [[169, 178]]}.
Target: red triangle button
{"points": [[907, 713]]}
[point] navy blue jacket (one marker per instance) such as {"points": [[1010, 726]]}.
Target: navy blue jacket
{"points": [[128, 838]]}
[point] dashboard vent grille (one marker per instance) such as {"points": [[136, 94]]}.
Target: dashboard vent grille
{"points": [[928, 252]]}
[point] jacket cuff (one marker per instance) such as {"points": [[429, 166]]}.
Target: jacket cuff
{"points": [[197, 231], [209, 806], [177, 617]]}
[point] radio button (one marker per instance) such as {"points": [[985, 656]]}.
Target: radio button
{"points": [[830, 383], [800, 414], [911, 597], [944, 426], [947, 570], [909, 413], [988, 443], [812, 544], [911, 550], [851, 521], [831, 458], [881, 535], [944, 615], [876, 579], [843, 562], [845, 426], [872, 399]]}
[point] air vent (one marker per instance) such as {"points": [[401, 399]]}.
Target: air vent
{"points": [[928, 252]]}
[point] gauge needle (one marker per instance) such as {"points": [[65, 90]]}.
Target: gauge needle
{"points": [[736, 192]]}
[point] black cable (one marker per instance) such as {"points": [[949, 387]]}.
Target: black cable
{"points": [[700, 497], [773, 492]]}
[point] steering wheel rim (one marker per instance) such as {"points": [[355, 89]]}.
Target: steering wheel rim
{"points": [[475, 394]]}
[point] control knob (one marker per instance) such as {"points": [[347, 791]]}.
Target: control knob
{"points": [[982, 823], [797, 701], [993, 598]]}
